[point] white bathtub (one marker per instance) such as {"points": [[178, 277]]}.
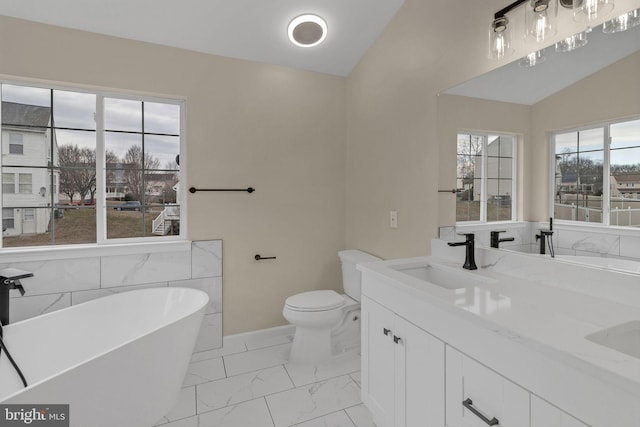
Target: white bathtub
{"points": [[117, 361]]}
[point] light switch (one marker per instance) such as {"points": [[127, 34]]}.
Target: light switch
{"points": [[393, 219]]}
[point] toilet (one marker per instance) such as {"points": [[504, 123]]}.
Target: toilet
{"points": [[326, 322]]}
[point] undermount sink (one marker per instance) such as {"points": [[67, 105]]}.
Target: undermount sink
{"points": [[624, 338], [443, 276]]}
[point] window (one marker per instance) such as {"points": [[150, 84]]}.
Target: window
{"points": [[595, 181], [7, 219], [8, 183], [25, 183], [485, 178], [15, 143], [29, 214], [90, 154]]}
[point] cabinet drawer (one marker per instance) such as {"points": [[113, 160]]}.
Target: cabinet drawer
{"points": [[543, 415], [477, 396]]}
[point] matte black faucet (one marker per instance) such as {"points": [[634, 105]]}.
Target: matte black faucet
{"points": [[544, 236], [10, 279], [496, 240], [470, 243]]}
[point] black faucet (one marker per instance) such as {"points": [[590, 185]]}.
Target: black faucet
{"points": [[496, 240], [470, 259], [544, 236], [10, 279]]}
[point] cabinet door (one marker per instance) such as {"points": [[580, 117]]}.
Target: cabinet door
{"points": [[420, 377], [488, 395], [378, 352], [544, 415]]}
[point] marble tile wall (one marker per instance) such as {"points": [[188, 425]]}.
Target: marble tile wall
{"points": [[60, 283]]}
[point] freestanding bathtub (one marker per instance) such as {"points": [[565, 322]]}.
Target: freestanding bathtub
{"points": [[117, 361]]}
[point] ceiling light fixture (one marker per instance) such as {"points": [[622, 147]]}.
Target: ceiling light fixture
{"points": [[307, 30], [532, 59], [540, 24]]}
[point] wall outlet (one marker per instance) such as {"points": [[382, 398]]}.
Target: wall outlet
{"points": [[393, 219]]}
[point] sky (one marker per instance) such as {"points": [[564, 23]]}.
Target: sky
{"points": [[77, 110]]}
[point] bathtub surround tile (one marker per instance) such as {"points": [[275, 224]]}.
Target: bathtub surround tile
{"points": [[336, 419], [210, 335], [360, 416], [240, 388], [630, 246], [211, 285], [60, 275], [120, 270], [302, 374], [599, 243], [313, 401], [79, 297], [253, 413], [257, 359], [185, 407], [204, 371], [25, 307], [206, 259]]}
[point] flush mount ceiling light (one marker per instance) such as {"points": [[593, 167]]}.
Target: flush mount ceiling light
{"points": [[532, 59], [307, 30], [540, 23], [622, 22]]}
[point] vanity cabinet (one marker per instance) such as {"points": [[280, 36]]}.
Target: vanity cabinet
{"points": [[402, 370], [544, 414], [477, 396]]}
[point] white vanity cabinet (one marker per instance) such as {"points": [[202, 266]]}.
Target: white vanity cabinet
{"points": [[477, 396], [544, 414], [402, 370]]}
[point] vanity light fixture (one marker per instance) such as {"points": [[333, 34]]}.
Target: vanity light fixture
{"points": [[307, 30], [622, 22], [540, 23], [573, 42], [532, 59]]}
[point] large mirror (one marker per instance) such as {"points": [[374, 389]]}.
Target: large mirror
{"points": [[562, 111]]}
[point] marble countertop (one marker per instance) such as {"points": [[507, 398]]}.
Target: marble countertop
{"points": [[551, 315]]}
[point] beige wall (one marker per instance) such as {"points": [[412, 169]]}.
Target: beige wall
{"points": [[610, 94], [456, 113], [277, 129]]}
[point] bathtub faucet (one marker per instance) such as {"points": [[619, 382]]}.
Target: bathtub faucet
{"points": [[496, 240], [10, 279]]}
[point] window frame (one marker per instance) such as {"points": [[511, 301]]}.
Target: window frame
{"points": [[606, 171], [15, 144], [484, 179], [100, 196]]}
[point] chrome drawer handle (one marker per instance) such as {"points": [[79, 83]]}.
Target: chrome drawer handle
{"points": [[467, 404]]}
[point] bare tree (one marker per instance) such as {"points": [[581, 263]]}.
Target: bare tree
{"points": [[136, 169]]}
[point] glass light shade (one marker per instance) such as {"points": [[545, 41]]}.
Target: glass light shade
{"points": [[532, 59], [500, 39], [622, 22], [540, 19], [589, 10], [573, 42]]}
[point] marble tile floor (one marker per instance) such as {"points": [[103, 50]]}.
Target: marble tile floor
{"points": [[249, 383]]}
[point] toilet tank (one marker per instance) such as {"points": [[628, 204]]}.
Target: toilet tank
{"points": [[350, 275]]}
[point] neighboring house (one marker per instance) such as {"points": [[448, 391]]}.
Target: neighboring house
{"points": [[26, 181], [627, 185]]}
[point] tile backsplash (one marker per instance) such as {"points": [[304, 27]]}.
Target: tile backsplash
{"points": [[60, 283]]}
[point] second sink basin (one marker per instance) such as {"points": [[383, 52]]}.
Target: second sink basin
{"points": [[441, 275], [624, 338]]}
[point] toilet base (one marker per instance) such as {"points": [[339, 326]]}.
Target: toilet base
{"points": [[311, 345]]}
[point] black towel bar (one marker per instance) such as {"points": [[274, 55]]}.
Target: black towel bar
{"points": [[248, 190]]}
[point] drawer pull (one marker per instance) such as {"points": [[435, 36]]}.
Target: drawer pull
{"points": [[386, 331], [396, 339], [467, 404]]}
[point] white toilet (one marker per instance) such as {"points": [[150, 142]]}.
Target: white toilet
{"points": [[323, 319]]}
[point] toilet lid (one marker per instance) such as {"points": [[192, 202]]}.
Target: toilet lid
{"points": [[315, 301]]}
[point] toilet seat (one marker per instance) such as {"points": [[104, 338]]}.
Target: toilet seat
{"points": [[315, 301]]}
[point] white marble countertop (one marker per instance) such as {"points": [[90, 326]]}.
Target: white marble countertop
{"points": [[549, 316]]}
